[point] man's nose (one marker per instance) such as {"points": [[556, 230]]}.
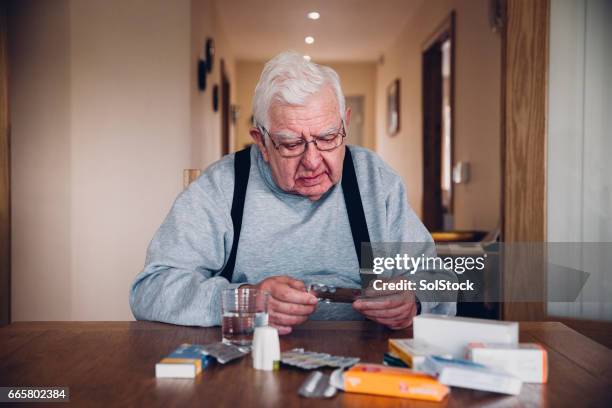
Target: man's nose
{"points": [[312, 157]]}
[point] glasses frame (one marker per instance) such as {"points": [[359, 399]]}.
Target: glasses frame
{"points": [[341, 133]]}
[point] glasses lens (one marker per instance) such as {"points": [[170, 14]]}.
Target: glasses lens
{"points": [[329, 143], [297, 148], [292, 149]]}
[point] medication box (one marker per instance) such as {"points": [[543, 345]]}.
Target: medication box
{"points": [[453, 334], [467, 374], [413, 353], [393, 381], [187, 361], [527, 361]]}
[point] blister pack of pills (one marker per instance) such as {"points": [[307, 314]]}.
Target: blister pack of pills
{"points": [[310, 360], [330, 293], [223, 352]]}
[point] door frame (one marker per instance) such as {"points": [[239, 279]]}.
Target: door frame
{"points": [[225, 110], [524, 128]]}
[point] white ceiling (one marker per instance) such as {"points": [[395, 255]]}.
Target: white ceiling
{"points": [[348, 30]]}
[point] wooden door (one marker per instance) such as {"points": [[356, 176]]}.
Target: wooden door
{"points": [[432, 138], [438, 97], [5, 180]]}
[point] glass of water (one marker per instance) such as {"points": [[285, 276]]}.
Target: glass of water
{"points": [[242, 310]]}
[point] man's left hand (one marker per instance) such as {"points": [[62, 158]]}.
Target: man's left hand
{"points": [[394, 309]]}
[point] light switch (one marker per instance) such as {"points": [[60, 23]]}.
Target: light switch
{"points": [[461, 173]]}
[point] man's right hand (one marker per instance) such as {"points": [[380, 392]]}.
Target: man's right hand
{"points": [[289, 303]]}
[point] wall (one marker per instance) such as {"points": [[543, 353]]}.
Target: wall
{"points": [[357, 78], [247, 76], [129, 141], [477, 108], [103, 125], [205, 123], [39, 58]]}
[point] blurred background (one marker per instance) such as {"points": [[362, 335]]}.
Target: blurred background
{"points": [[110, 103]]}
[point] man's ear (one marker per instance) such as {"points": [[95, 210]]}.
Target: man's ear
{"points": [[347, 117], [258, 138]]}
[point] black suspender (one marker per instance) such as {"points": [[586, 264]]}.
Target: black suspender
{"points": [[242, 167], [350, 189], [354, 206]]}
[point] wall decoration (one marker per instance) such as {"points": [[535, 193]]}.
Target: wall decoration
{"points": [[201, 75], [393, 107], [209, 51]]}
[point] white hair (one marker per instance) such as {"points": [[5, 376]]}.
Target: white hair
{"points": [[289, 79]]}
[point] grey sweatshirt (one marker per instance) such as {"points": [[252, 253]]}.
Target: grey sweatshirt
{"points": [[282, 234]]}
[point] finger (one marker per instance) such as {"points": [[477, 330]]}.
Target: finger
{"points": [[273, 280], [387, 303], [286, 293], [405, 325], [268, 284], [400, 326], [397, 324], [285, 319], [388, 313], [290, 308], [393, 322], [387, 320], [282, 330], [296, 284]]}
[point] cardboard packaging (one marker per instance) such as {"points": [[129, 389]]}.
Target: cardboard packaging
{"points": [[393, 381], [453, 334], [187, 361], [527, 361], [467, 374], [413, 353]]}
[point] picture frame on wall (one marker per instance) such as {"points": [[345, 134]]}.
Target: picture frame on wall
{"points": [[393, 107]]}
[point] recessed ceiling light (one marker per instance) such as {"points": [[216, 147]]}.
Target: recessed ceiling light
{"points": [[309, 40], [313, 15], [307, 57]]}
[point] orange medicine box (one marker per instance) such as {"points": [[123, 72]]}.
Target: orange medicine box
{"points": [[393, 381]]}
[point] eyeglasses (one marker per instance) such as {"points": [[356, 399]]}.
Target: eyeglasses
{"points": [[297, 147]]}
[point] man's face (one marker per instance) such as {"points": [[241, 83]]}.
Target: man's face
{"points": [[314, 172]]}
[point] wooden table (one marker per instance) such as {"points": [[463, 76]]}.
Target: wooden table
{"points": [[111, 364]]}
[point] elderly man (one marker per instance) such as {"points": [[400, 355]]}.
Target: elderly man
{"points": [[290, 211]]}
